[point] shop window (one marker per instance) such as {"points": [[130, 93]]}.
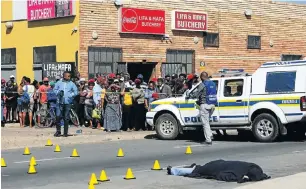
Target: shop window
{"points": [[233, 87], [76, 60], [211, 39], [177, 62], [8, 56], [280, 82], [44, 54], [254, 42], [290, 57], [103, 60], [63, 8]]}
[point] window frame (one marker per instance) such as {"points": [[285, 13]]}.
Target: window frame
{"points": [[13, 57], [233, 80], [284, 55], [211, 34], [251, 46], [280, 92], [60, 11], [99, 63], [43, 48], [183, 66]]}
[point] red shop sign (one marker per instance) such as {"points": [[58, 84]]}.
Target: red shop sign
{"points": [[47, 9], [142, 21], [190, 21]]}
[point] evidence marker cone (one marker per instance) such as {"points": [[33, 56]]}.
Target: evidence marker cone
{"points": [[129, 174], [26, 151], [57, 148], [32, 170], [74, 153], [3, 164], [49, 143], [188, 150], [91, 186], [33, 161], [103, 177], [120, 153], [93, 179], [156, 166]]}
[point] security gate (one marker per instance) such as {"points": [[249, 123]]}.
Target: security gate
{"points": [[177, 62], [103, 60]]}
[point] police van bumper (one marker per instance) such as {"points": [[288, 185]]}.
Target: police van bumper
{"points": [[150, 118]]}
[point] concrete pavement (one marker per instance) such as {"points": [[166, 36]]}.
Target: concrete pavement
{"points": [[13, 137], [296, 181], [57, 170]]}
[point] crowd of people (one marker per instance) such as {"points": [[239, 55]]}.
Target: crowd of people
{"points": [[110, 102]]}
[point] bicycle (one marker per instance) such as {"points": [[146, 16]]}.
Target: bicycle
{"points": [[50, 119]]}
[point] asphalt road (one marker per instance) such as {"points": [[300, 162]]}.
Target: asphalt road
{"points": [[58, 171]]}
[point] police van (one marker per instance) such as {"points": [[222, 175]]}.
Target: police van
{"points": [[270, 102]]}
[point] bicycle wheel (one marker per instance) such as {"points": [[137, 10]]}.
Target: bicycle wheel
{"points": [[34, 118], [74, 118], [50, 119]]}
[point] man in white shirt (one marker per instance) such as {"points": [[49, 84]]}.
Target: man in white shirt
{"points": [[28, 108]]}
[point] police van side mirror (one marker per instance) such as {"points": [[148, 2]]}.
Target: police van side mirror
{"points": [[187, 93]]}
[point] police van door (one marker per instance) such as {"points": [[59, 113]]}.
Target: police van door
{"points": [[233, 101]]}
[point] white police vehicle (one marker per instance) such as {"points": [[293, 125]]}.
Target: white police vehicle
{"points": [[270, 102]]}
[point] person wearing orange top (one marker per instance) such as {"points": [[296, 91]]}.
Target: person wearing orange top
{"points": [[43, 101]]}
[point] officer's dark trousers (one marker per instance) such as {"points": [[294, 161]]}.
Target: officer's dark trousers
{"points": [[62, 111]]}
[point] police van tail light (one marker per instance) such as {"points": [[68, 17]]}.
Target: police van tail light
{"points": [[303, 103]]}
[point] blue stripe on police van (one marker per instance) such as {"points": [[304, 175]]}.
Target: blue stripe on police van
{"points": [[222, 104], [293, 114], [296, 101], [233, 104], [186, 105], [149, 117], [285, 63], [234, 116]]}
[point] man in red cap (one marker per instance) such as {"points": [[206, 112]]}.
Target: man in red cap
{"points": [[43, 100]]}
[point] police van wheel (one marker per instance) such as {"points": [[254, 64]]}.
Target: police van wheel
{"points": [[265, 128], [167, 127]]}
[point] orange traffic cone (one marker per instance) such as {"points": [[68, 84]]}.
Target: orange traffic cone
{"points": [[57, 148], [33, 161], [103, 177], [129, 174], [49, 143], [188, 150], [32, 170], [156, 166], [120, 153], [3, 164], [91, 186], [74, 153], [26, 151], [93, 179]]}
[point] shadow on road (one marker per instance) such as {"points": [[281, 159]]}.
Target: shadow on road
{"points": [[192, 136]]}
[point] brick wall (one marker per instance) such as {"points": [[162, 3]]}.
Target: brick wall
{"points": [[282, 24]]}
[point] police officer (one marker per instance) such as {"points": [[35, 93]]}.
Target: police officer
{"points": [[207, 98]]}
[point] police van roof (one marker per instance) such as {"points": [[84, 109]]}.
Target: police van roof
{"points": [[231, 73], [284, 63]]}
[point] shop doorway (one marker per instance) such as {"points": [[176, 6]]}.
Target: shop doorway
{"points": [[147, 69]]}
